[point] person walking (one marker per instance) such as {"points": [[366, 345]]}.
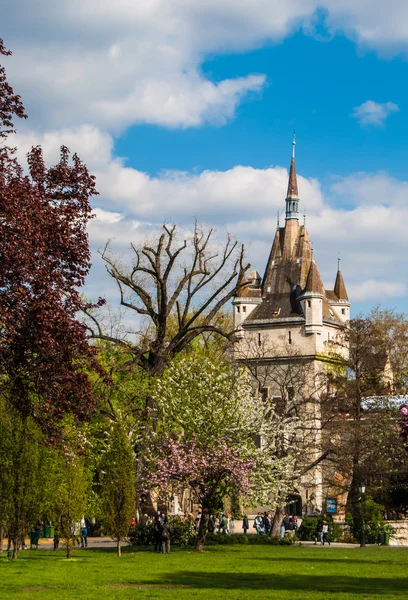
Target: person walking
{"points": [[325, 532], [84, 532], [165, 537], [245, 524]]}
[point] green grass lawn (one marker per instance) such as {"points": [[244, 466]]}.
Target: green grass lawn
{"points": [[226, 572]]}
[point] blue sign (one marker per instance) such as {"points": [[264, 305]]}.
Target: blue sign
{"points": [[331, 505]]}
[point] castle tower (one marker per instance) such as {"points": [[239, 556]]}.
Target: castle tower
{"points": [[291, 304], [288, 319]]}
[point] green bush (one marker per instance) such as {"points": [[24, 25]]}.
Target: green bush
{"points": [[374, 522], [183, 534], [141, 534], [308, 528]]}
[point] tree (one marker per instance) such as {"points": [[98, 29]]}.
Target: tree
{"points": [[44, 259], [180, 287], [365, 431], [118, 483], [210, 421], [24, 461], [71, 485], [211, 472]]}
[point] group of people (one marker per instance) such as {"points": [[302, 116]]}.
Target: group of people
{"points": [[162, 534], [289, 523]]}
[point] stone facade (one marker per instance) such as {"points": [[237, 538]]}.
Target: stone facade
{"points": [[288, 318]]}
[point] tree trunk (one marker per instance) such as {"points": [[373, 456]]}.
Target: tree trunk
{"points": [[2, 532], [202, 530], [277, 520], [16, 548], [118, 548]]}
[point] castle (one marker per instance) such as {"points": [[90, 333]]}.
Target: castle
{"points": [[288, 317]]}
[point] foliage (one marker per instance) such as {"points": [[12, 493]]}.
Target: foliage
{"points": [[205, 400], [183, 533], [367, 447], [118, 483], [309, 526], [68, 487], [23, 472], [374, 523], [44, 259]]}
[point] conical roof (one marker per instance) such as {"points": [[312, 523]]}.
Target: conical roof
{"points": [[314, 282], [340, 288], [292, 184]]}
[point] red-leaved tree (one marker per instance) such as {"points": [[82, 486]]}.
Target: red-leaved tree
{"points": [[44, 259]]}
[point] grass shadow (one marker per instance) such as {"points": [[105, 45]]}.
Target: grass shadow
{"points": [[293, 582]]}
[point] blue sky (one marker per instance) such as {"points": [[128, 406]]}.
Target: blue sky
{"points": [[312, 86], [187, 108]]}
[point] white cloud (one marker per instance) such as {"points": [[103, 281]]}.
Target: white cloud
{"points": [[114, 63], [374, 113], [372, 188], [371, 237], [376, 290]]}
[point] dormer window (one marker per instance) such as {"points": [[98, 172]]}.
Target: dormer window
{"points": [[244, 309], [238, 309]]}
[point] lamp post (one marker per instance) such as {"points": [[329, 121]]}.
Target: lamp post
{"points": [[361, 489]]}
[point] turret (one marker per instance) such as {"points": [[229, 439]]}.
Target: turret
{"points": [[339, 300], [312, 301], [248, 298]]}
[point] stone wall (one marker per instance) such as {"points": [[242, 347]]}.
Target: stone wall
{"points": [[400, 537]]}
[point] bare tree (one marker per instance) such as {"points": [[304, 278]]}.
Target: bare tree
{"points": [[179, 286]]}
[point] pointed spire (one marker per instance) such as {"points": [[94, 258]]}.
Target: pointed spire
{"points": [[292, 185], [314, 282], [339, 286]]}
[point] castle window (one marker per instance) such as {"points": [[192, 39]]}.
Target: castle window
{"points": [[309, 303], [259, 339], [289, 337], [244, 309], [237, 309], [343, 311]]}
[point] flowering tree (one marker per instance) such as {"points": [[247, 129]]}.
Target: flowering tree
{"points": [[212, 473], [214, 436]]}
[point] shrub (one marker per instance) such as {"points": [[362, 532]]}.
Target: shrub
{"points": [[374, 522], [308, 528], [142, 534]]}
